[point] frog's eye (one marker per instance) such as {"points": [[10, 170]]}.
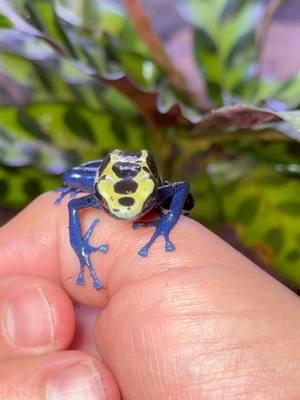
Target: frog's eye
{"points": [[151, 164], [125, 169]]}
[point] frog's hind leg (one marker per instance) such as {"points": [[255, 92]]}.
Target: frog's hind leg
{"points": [[79, 242], [177, 192]]}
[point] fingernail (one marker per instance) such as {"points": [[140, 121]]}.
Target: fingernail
{"points": [[80, 381], [29, 321]]}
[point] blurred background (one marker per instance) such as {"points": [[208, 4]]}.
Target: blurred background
{"points": [[211, 88]]}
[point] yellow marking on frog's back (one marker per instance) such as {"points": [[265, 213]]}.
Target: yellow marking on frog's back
{"points": [[126, 196]]}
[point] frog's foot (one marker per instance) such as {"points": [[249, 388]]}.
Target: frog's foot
{"points": [[163, 227], [84, 256], [64, 192]]}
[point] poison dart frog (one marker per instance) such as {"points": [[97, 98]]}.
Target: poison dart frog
{"points": [[126, 185]]}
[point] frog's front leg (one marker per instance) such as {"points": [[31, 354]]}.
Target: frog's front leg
{"points": [[79, 242], [64, 191], [168, 218], [79, 179]]}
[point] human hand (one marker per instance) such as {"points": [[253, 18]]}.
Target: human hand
{"points": [[201, 322]]}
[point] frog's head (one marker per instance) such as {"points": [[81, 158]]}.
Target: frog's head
{"points": [[127, 184]]}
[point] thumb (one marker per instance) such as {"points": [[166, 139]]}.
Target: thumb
{"points": [[203, 329]]}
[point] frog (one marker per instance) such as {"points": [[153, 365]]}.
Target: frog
{"points": [[127, 185]]}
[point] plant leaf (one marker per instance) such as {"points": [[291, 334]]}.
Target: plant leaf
{"points": [[237, 184], [267, 219], [243, 116], [224, 43], [83, 53], [144, 28]]}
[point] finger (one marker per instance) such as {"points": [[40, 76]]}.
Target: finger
{"points": [[221, 280], [65, 375], [203, 332], [37, 242], [36, 316]]}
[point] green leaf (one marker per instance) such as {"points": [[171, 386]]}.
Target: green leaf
{"points": [[144, 72], [84, 55], [77, 123], [60, 128], [275, 238], [119, 131], [24, 184], [5, 22], [31, 126], [291, 208], [266, 216], [289, 169], [247, 210], [224, 43], [235, 183], [25, 45]]}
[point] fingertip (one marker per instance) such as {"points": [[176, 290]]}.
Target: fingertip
{"points": [[36, 316], [61, 375]]}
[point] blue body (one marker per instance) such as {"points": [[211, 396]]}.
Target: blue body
{"points": [[168, 198]]}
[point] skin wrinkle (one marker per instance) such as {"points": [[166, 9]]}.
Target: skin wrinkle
{"points": [[185, 298], [228, 377], [217, 336], [221, 386], [234, 373], [164, 267]]}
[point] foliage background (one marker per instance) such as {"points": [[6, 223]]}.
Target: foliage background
{"points": [[78, 79]]}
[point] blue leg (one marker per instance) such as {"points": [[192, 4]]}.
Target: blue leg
{"points": [[168, 218], [79, 179], [80, 243]]}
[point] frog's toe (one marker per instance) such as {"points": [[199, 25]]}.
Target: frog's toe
{"points": [[59, 197], [169, 246], [75, 193], [143, 251], [88, 249], [63, 192], [58, 201], [80, 279], [97, 284], [103, 248]]}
